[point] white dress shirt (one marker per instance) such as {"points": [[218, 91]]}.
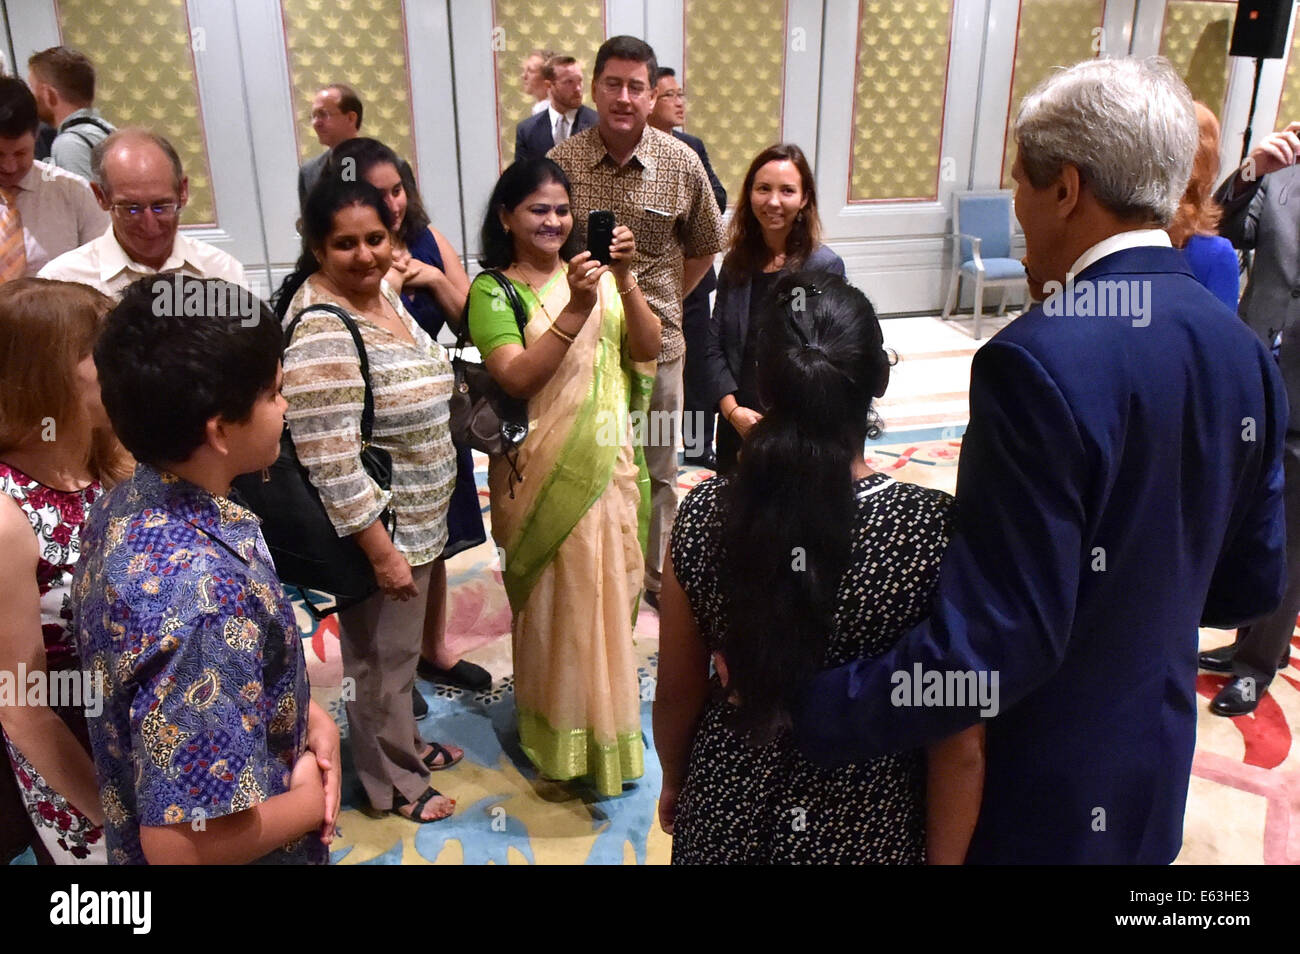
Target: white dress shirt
{"points": [[540, 105], [59, 213], [102, 263], [555, 117], [1138, 238]]}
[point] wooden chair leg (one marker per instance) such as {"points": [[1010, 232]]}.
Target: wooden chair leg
{"points": [[979, 303], [1002, 305]]}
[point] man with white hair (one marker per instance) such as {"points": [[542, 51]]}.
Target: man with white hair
{"points": [[139, 180], [1120, 484]]}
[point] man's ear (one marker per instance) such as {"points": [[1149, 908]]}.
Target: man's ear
{"points": [[216, 435], [185, 189], [1067, 190], [100, 197]]}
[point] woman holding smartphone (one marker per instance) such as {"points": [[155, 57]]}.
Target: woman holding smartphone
{"points": [[572, 509]]}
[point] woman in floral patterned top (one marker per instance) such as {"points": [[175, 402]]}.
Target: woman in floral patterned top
{"points": [[56, 451], [347, 244]]}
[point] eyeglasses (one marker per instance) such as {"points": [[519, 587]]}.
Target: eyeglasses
{"points": [[614, 86], [324, 113], [674, 94], [134, 210]]}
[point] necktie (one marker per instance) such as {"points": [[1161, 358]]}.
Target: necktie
{"points": [[13, 253], [561, 130]]}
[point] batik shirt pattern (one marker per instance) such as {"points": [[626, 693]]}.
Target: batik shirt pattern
{"points": [[177, 604]]}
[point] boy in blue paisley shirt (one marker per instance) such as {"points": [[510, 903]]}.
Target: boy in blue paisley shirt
{"points": [[209, 748]]}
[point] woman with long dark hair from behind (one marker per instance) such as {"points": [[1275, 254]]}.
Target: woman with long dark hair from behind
{"points": [[804, 558]]}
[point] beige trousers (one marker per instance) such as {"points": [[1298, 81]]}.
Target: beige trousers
{"points": [[380, 640]]}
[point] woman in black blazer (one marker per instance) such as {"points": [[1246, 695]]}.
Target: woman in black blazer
{"points": [[775, 229]]}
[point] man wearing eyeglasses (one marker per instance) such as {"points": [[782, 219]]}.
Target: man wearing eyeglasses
{"points": [[44, 210], [336, 117], [657, 187], [139, 180], [701, 412]]}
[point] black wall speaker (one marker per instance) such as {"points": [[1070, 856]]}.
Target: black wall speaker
{"points": [[1260, 29]]}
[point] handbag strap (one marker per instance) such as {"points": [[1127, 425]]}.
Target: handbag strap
{"points": [[516, 305], [368, 407]]}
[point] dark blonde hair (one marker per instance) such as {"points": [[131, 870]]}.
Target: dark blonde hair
{"points": [[46, 329], [746, 250], [1198, 212]]}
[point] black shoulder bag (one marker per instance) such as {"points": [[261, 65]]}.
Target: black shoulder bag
{"points": [[307, 551], [483, 416]]}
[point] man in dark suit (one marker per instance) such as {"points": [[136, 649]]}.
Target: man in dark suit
{"points": [[1257, 215], [336, 117], [1120, 484], [697, 431], [563, 116]]}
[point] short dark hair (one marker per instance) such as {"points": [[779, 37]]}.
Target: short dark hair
{"points": [[68, 71], [349, 101], [518, 182], [627, 48], [554, 62], [162, 376], [664, 71], [17, 109]]}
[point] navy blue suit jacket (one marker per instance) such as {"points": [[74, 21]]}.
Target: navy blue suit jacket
{"points": [[533, 136], [1118, 486]]}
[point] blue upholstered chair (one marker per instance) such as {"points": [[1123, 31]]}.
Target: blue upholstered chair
{"points": [[981, 249]]}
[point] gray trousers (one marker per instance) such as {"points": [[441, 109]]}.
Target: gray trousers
{"points": [[1260, 645], [661, 461], [380, 640]]}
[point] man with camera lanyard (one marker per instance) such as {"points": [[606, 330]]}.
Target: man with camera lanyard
{"points": [[656, 186]]}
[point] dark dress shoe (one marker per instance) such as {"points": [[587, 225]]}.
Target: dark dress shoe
{"points": [[418, 705], [652, 598], [708, 461], [1238, 697], [1217, 660], [464, 674]]}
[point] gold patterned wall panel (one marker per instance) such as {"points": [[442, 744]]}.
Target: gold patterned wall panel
{"points": [[898, 100], [1195, 40], [358, 42], [144, 76], [1288, 110], [1052, 33], [734, 73], [574, 28]]}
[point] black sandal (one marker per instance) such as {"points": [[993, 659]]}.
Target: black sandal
{"points": [[431, 760], [417, 810]]}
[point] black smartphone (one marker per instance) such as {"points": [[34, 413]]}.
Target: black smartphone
{"points": [[600, 234]]}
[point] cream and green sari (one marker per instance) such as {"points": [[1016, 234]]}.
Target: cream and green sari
{"points": [[574, 535]]}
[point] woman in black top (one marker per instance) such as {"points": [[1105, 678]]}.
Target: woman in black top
{"points": [[805, 558], [775, 231]]}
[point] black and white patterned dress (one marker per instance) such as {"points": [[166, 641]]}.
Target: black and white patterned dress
{"points": [[742, 804]]}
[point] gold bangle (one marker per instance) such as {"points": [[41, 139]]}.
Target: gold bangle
{"points": [[635, 285], [563, 336]]}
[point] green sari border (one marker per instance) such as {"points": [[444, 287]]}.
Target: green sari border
{"points": [[576, 753]]}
